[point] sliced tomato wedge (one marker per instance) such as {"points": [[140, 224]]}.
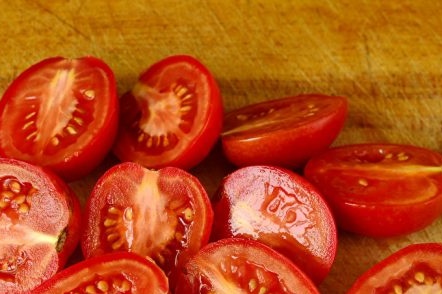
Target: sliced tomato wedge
{"points": [[39, 225], [172, 116], [281, 209], [237, 265], [380, 190], [62, 114], [416, 268], [163, 214], [284, 132], [121, 272]]}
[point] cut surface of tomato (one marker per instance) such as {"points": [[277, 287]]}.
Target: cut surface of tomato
{"points": [[172, 116], [39, 225], [416, 268], [62, 114], [164, 214], [236, 265], [121, 272], [380, 190], [281, 209], [284, 132]]}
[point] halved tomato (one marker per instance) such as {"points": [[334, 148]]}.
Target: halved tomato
{"points": [[164, 214], [416, 268], [172, 116], [284, 132], [62, 114], [39, 225], [380, 190], [121, 272], [236, 265], [281, 209]]}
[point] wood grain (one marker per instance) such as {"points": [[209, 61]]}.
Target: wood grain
{"points": [[385, 56]]}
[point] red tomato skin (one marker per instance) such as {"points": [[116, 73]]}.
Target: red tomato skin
{"points": [[376, 219], [79, 162], [244, 187], [199, 145], [289, 147], [396, 265], [131, 264]]}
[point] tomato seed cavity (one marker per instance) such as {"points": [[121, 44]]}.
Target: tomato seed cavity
{"points": [[15, 197], [114, 284], [118, 223]]}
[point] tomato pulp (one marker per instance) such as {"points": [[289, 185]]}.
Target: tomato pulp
{"points": [[62, 114], [172, 116], [380, 190]]}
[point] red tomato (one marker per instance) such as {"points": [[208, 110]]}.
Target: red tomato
{"points": [[416, 268], [284, 132], [380, 190], [163, 214], [172, 116], [62, 114], [39, 225], [121, 272], [281, 209], [237, 265]]}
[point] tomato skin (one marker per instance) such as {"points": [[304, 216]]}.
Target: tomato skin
{"points": [[43, 228], [229, 266], [280, 209], [283, 132], [141, 274], [82, 142], [164, 214], [190, 139], [380, 190], [419, 263]]}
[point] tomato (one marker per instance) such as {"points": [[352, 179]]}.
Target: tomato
{"points": [[281, 209], [172, 116], [237, 265], [415, 268], [62, 114], [163, 214], [284, 132], [121, 272], [39, 225], [380, 190]]}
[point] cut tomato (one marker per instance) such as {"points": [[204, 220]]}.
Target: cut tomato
{"points": [[284, 132], [39, 225], [380, 190], [172, 116], [416, 268], [281, 209], [62, 114], [237, 265], [163, 214], [121, 272]]}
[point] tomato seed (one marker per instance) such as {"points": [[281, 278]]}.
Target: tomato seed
{"points": [[420, 277], [363, 182], [397, 289], [27, 125], [112, 237], [20, 199], [90, 289], [188, 214], [15, 186], [23, 208], [263, 290], [114, 210], [30, 115], [89, 94], [109, 222], [71, 130], [128, 214], [117, 244], [103, 286], [252, 285], [185, 109], [55, 141], [31, 136]]}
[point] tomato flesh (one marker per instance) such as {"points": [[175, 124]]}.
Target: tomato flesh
{"points": [[172, 116], [163, 214], [415, 268], [284, 132], [380, 190], [281, 209], [235, 265]]}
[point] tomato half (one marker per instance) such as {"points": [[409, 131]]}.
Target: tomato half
{"points": [[62, 114], [39, 225], [416, 268], [380, 190], [281, 209], [172, 116], [284, 132], [121, 272], [237, 265], [163, 214]]}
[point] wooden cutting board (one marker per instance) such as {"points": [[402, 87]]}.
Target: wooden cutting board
{"points": [[385, 56]]}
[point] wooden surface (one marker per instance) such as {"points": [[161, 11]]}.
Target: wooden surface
{"points": [[385, 56]]}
